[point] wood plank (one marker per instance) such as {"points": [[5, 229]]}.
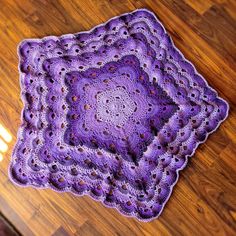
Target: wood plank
{"points": [[6, 229], [200, 6], [211, 27], [203, 201]]}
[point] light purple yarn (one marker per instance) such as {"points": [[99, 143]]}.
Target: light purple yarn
{"points": [[112, 113]]}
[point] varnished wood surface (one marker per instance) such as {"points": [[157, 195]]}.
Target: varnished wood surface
{"points": [[5, 228], [204, 200]]}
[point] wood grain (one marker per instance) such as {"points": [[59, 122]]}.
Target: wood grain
{"points": [[6, 229], [204, 200]]}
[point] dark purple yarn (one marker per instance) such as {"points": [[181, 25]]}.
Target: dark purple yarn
{"points": [[113, 113]]}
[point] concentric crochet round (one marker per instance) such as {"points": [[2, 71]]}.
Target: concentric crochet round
{"points": [[113, 113]]}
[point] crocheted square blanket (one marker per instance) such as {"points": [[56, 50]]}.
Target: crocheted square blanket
{"points": [[113, 113]]}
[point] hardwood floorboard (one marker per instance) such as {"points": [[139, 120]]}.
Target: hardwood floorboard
{"points": [[6, 228], [210, 26], [204, 200]]}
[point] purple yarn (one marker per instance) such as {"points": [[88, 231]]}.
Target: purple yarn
{"points": [[113, 113]]}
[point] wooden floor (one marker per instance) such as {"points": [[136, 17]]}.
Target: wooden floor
{"points": [[204, 200]]}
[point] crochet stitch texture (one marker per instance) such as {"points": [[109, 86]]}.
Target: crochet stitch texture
{"points": [[113, 113]]}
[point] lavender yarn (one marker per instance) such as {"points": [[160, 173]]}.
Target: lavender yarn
{"points": [[113, 113]]}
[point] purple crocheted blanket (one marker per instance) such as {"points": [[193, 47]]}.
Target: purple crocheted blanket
{"points": [[113, 113]]}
